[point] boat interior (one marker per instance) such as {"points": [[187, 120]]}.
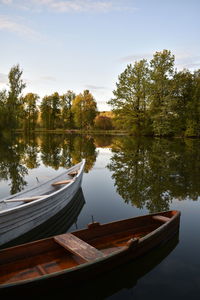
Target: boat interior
{"points": [[40, 191]]}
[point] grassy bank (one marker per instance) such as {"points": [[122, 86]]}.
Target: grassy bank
{"points": [[77, 131]]}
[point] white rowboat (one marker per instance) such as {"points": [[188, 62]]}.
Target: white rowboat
{"points": [[26, 210]]}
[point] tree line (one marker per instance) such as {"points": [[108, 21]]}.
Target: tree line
{"points": [[153, 98], [28, 112]]}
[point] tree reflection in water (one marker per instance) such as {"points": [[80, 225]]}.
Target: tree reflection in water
{"points": [[151, 172], [20, 153], [11, 165], [147, 172]]}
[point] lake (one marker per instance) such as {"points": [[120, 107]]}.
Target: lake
{"points": [[124, 177]]}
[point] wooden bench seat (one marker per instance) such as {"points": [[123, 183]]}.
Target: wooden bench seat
{"points": [[78, 247], [73, 173], [62, 182], [161, 218], [28, 199]]}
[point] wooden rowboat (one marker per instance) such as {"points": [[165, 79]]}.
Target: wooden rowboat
{"points": [[71, 257], [24, 211]]}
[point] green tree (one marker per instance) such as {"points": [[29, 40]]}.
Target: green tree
{"points": [[66, 109], [193, 119], [55, 113], [50, 111], [84, 108], [14, 103], [30, 111], [3, 100], [45, 109], [130, 97], [161, 92], [183, 95]]}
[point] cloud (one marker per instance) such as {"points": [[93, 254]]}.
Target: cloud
{"points": [[65, 6], [80, 6], [8, 24], [182, 59], [135, 57], [187, 61], [6, 1], [48, 78], [3, 78], [95, 87]]}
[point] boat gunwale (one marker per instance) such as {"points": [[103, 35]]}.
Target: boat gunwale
{"points": [[27, 204], [176, 215], [165, 224]]}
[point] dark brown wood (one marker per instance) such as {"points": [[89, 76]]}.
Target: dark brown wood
{"points": [[78, 247], [41, 270]]}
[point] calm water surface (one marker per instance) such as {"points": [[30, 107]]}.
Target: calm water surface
{"points": [[124, 177]]}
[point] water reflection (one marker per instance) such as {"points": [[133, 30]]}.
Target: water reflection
{"points": [[11, 165], [120, 282], [149, 173], [19, 153]]}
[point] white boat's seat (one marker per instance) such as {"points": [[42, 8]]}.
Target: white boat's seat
{"points": [[161, 218], [62, 182], [27, 199]]}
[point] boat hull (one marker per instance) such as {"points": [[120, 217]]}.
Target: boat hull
{"points": [[58, 224]]}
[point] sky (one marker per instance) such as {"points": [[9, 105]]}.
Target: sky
{"points": [[75, 45]]}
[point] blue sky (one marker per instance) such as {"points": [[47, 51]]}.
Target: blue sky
{"points": [[86, 44]]}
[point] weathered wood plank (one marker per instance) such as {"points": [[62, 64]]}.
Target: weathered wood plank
{"points": [[62, 182], [41, 270], [78, 247], [73, 173], [25, 199], [161, 218]]}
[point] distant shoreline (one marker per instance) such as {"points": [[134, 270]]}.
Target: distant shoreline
{"points": [[97, 132], [77, 131]]}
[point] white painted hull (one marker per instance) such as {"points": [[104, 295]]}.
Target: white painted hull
{"points": [[17, 220]]}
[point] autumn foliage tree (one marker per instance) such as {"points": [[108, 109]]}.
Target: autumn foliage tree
{"points": [[103, 122]]}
